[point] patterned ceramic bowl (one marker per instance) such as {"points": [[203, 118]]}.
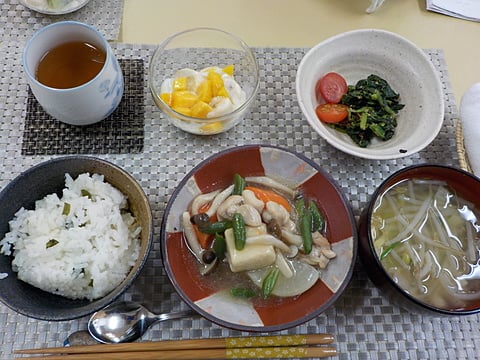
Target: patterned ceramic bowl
{"points": [[55, 7], [357, 54], [215, 301]]}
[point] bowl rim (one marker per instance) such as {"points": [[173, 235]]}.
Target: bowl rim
{"points": [[234, 326], [378, 265], [166, 108], [68, 10], [85, 307], [368, 153]]}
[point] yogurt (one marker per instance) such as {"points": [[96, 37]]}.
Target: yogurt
{"points": [[208, 93]]}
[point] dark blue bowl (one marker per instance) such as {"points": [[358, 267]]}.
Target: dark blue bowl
{"points": [[34, 184]]}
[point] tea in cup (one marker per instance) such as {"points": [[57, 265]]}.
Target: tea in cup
{"points": [[73, 73]]}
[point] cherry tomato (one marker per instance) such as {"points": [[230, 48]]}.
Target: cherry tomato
{"points": [[331, 87], [332, 113]]}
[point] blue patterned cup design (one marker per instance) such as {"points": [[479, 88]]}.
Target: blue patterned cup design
{"points": [[88, 103]]}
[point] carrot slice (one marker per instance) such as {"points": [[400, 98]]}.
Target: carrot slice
{"points": [[204, 208], [205, 240], [269, 195]]}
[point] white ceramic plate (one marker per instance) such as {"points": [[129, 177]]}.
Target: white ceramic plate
{"points": [[408, 70], [42, 7]]}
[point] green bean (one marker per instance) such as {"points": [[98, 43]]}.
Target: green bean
{"points": [[269, 282], [306, 231], [243, 292], [300, 206], [219, 246], [238, 184], [317, 218], [217, 227], [239, 231]]}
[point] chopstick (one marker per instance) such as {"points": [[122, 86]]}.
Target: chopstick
{"points": [[281, 352], [281, 346]]}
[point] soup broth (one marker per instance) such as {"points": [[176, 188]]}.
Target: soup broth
{"points": [[70, 65], [428, 240]]}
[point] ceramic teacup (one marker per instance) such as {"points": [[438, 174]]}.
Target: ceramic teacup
{"points": [[83, 104]]}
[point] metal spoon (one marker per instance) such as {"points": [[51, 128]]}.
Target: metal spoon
{"points": [[126, 321]]}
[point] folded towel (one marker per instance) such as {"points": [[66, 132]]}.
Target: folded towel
{"points": [[470, 117]]}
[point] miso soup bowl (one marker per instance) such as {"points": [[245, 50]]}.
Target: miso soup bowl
{"points": [[216, 304], [464, 184]]}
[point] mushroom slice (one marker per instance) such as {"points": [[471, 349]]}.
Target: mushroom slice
{"points": [[250, 215], [292, 238], [195, 246], [267, 181], [320, 240], [206, 269], [191, 237], [293, 252], [275, 211], [251, 199], [268, 240], [290, 226], [201, 200], [229, 207], [283, 265], [329, 253], [220, 198]]}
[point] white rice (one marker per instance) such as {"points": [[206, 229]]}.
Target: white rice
{"points": [[83, 254]]}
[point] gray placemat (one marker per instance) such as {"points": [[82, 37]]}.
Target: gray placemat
{"points": [[119, 133], [366, 324], [18, 22]]}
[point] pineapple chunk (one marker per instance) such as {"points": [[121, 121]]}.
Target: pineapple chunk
{"points": [[204, 91], [223, 93], [167, 98], [216, 82], [180, 84], [183, 110], [201, 109], [251, 257], [184, 99], [212, 128], [229, 69]]}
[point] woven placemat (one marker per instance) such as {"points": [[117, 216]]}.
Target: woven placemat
{"points": [[366, 323], [121, 132], [18, 23]]}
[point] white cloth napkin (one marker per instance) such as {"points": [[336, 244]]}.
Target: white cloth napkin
{"points": [[463, 9], [470, 117]]}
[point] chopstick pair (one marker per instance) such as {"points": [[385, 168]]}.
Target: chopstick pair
{"points": [[278, 347]]}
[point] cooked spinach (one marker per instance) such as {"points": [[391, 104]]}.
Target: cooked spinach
{"points": [[373, 108]]}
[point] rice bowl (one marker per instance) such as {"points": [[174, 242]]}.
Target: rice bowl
{"points": [[46, 178], [81, 245]]}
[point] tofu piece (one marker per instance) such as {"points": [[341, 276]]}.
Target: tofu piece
{"points": [[251, 257]]}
